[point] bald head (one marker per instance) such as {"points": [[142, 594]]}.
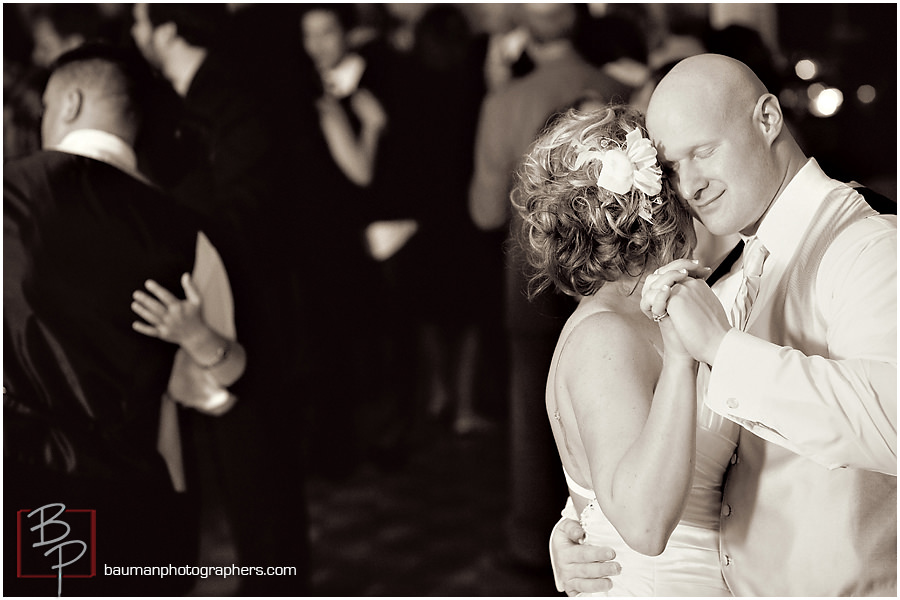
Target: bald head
{"points": [[722, 136], [716, 85]]}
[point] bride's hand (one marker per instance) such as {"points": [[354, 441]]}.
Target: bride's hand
{"points": [[658, 285], [655, 298]]}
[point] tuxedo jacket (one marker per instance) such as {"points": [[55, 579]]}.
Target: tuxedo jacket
{"points": [[82, 389]]}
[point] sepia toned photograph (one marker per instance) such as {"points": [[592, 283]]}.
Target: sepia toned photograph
{"points": [[453, 300]]}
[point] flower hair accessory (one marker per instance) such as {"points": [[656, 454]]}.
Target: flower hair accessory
{"points": [[625, 168]]}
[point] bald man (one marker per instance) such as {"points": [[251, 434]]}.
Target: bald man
{"points": [[809, 372]]}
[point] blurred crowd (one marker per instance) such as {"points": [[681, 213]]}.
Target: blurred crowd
{"points": [[343, 146]]}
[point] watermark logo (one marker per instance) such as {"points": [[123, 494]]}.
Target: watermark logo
{"points": [[56, 542]]}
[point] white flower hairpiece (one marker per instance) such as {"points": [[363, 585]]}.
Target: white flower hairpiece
{"points": [[626, 168]]}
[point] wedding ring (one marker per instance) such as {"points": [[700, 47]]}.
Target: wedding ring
{"points": [[659, 318]]}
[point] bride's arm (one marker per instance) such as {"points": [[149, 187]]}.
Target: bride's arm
{"points": [[637, 424]]}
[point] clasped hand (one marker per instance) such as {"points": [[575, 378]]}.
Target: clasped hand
{"points": [[690, 315], [167, 317], [581, 568]]}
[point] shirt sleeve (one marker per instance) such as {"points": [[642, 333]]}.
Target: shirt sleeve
{"points": [[839, 411]]}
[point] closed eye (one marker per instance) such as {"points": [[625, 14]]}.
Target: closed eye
{"points": [[704, 152]]}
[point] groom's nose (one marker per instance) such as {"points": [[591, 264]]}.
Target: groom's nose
{"points": [[690, 182]]}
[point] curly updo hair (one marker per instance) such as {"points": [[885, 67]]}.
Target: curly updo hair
{"points": [[576, 235]]}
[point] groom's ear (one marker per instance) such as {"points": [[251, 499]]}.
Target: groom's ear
{"points": [[768, 117]]}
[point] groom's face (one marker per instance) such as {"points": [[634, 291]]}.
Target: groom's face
{"points": [[717, 159]]}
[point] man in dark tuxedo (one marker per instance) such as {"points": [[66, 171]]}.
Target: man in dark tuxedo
{"points": [[82, 389]]}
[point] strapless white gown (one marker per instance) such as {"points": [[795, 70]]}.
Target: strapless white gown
{"points": [[689, 566]]}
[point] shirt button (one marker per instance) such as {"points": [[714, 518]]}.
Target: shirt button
{"points": [[731, 403], [726, 510], [726, 560]]}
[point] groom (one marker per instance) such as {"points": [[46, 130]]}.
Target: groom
{"points": [[809, 506]]}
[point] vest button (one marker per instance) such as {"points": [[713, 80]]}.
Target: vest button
{"points": [[734, 458], [726, 510], [726, 560]]}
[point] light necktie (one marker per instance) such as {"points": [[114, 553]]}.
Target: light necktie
{"points": [[754, 256]]}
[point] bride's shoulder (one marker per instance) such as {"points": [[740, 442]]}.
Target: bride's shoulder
{"points": [[604, 331]]}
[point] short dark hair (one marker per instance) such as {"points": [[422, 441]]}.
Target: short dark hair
{"points": [[346, 14], [199, 24], [119, 69]]}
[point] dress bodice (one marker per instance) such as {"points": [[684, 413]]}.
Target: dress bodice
{"points": [[716, 441], [690, 564]]}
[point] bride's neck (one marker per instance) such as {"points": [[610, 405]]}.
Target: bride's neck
{"points": [[629, 287], [625, 291]]}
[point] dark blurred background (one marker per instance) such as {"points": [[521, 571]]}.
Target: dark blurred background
{"points": [[850, 50], [430, 518]]}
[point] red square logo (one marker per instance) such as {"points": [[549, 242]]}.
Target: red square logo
{"points": [[54, 540]]}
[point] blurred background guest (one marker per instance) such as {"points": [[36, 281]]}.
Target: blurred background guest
{"points": [[510, 119], [350, 124], [34, 36], [240, 177]]}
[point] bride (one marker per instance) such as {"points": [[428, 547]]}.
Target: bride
{"points": [[644, 459]]}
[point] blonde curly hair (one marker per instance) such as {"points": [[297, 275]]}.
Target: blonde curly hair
{"points": [[576, 235]]}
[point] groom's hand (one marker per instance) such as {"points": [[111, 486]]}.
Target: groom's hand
{"points": [[699, 319], [580, 568]]}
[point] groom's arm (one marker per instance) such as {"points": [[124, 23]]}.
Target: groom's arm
{"points": [[580, 567]]}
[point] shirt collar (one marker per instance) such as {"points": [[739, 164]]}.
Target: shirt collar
{"points": [[784, 226], [102, 146]]}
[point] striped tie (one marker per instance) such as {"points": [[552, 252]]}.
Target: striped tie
{"points": [[754, 256]]}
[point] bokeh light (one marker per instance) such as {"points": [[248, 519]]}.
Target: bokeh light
{"points": [[806, 69], [866, 94], [813, 91], [827, 102]]}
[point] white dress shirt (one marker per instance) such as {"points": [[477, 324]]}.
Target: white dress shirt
{"points": [[835, 403]]}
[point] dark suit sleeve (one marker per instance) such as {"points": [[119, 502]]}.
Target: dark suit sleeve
{"points": [[17, 230]]}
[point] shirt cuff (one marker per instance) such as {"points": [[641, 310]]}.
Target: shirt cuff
{"points": [[737, 386], [735, 380]]}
